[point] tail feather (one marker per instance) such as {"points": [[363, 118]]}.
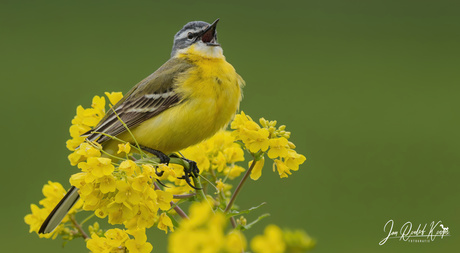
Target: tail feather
{"points": [[60, 211]]}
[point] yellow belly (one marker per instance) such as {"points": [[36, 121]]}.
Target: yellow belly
{"points": [[211, 94]]}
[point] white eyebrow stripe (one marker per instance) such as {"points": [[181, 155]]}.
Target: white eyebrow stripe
{"points": [[159, 95], [184, 34]]}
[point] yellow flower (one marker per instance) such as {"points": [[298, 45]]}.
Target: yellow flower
{"points": [[253, 136], [239, 120], [197, 154], [75, 158], [124, 148], [135, 247], [72, 144], [256, 140], [101, 212], [140, 183], [233, 171], [91, 197], [145, 217], [293, 160], [283, 170], [116, 237], [139, 244], [234, 153], [107, 183], [114, 97], [78, 179], [298, 241], [220, 185], [257, 170], [84, 151], [99, 104], [36, 219], [98, 244], [202, 232], [219, 162], [77, 130], [121, 212], [130, 167], [165, 222], [126, 194], [164, 199], [89, 150], [278, 147], [53, 193], [139, 235], [235, 242], [97, 166], [83, 121], [270, 242]]}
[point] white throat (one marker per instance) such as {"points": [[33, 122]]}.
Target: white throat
{"points": [[200, 48]]}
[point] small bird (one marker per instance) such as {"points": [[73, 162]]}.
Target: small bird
{"points": [[187, 100]]}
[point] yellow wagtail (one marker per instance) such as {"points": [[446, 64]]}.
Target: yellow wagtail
{"points": [[188, 99]]}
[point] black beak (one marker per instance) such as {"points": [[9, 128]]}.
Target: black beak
{"points": [[208, 36]]}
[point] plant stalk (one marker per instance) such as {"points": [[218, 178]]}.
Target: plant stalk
{"points": [[238, 188], [78, 227]]}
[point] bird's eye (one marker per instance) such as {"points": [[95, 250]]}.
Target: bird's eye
{"points": [[190, 36]]}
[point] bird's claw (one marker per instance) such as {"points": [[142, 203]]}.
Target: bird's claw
{"points": [[162, 156], [191, 171]]}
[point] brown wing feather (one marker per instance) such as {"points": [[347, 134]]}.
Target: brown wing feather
{"points": [[136, 107]]}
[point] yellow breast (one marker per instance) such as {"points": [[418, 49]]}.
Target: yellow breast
{"points": [[211, 93]]}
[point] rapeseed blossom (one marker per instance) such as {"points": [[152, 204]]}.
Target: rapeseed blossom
{"points": [[126, 191], [53, 193], [276, 240], [118, 240], [258, 139], [205, 231]]}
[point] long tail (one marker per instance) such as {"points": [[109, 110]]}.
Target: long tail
{"points": [[60, 211]]}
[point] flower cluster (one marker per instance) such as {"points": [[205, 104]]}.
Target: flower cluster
{"points": [[204, 231], [124, 190], [53, 193], [217, 158], [267, 139], [118, 240], [275, 240], [219, 153], [86, 119], [120, 189]]}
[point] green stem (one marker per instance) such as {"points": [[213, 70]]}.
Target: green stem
{"points": [[87, 219], [199, 191], [223, 198], [196, 180], [184, 196]]}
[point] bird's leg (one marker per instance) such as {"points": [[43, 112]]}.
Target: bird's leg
{"points": [[163, 159], [191, 171], [162, 156]]}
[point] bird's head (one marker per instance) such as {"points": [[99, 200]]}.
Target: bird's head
{"points": [[199, 36]]}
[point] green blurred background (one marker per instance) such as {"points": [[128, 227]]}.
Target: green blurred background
{"points": [[369, 89]]}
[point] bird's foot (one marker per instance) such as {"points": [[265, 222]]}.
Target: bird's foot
{"points": [[191, 171], [162, 156]]}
